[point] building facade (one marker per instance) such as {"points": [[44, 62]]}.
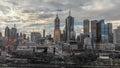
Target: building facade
{"points": [[86, 27], [102, 32], [7, 32], [94, 29], [57, 31], [43, 33], [110, 33], [69, 28], [34, 36], [117, 38]]}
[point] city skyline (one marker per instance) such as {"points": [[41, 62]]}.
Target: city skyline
{"points": [[36, 15]]}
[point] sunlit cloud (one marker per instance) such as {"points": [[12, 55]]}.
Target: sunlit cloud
{"points": [[36, 15]]}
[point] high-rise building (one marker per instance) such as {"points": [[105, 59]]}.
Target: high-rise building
{"points": [[1, 40], [86, 27], [7, 32], [81, 37], [102, 32], [110, 33], [109, 28], [21, 35], [105, 34], [57, 31], [69, 28], [0, 34], [17, 35], [117, 38], [99, 32], [64, 36], [94, 29], [24, 36], [35, 35], [43, 33], [14, 31]]}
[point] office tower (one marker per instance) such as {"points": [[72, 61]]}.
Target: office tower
{"points": [[109, 28], [64, 36], [14, 31], [35, 36], [17, 35], [24, 36], [102, 32], [7, 32], [1, 40], [21, 35], [82, 37], [69, 28], [43, 33], [110, 33], [117, 38], [99, 31], [94, 29], [0, 34], [105, 34], [57, 32], [86, 27]]}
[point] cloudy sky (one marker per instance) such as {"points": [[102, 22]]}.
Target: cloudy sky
{"points": [[36, 15]]}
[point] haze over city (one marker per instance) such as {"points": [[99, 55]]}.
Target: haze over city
{"points": [[36, 15], [60, 33]]}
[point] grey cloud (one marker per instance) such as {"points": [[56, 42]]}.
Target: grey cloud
{"points": [[46, 9], [31, 25], [12, 2], [44, 16], [4, 9]]}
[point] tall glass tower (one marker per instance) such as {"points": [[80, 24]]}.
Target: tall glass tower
{"points": [[102, 32], [69, 28]]}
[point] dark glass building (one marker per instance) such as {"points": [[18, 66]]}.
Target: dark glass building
{"points": [[94, 29], [102, 32], [110, 33], [7, 32], [69, 28]]}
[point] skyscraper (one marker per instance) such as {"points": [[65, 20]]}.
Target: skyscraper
{"points": [[94, 28], [117, 38], [105, 35], [34, 36], [86, 26], [102, 32], [7, 32], [43, 33], [14, 32], [99, 32], [0, 34], [24, 36], [109, 28], [57, 31], [69, 28], [110, 33]]}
